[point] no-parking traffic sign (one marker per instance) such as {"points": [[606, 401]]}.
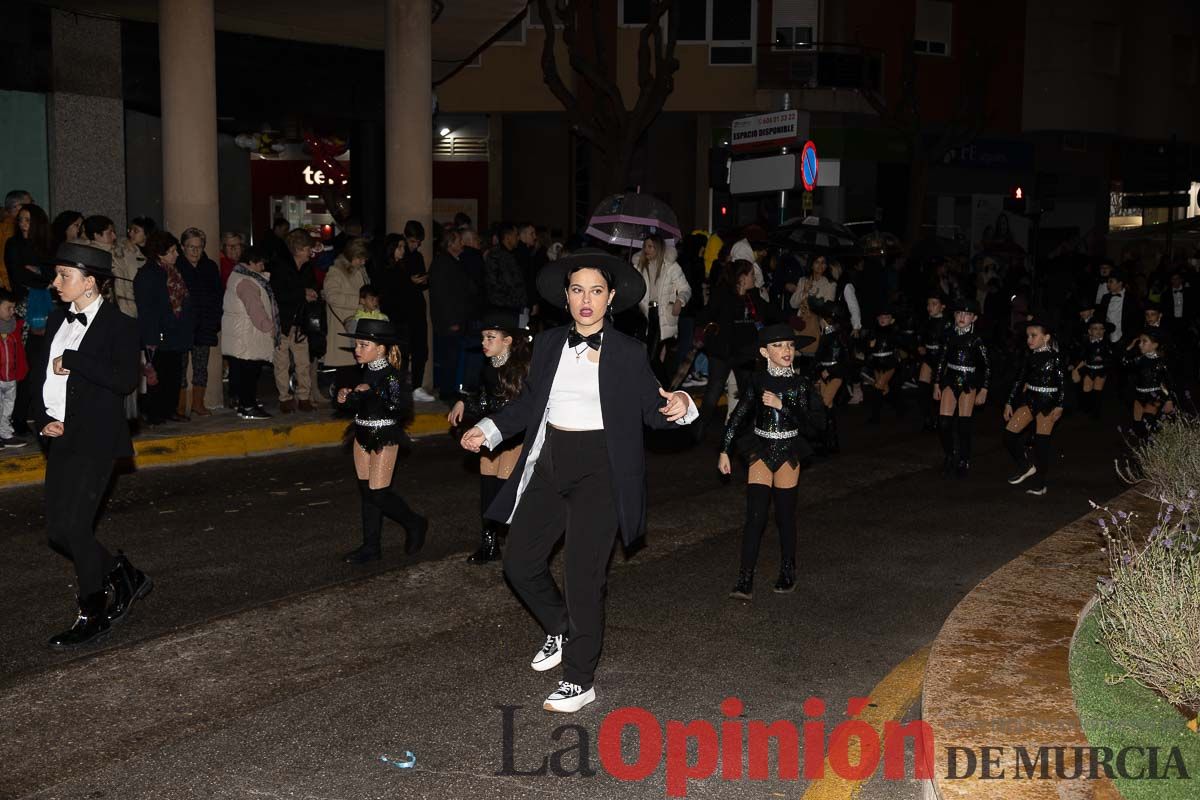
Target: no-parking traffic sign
{"points": [[808, 166]]}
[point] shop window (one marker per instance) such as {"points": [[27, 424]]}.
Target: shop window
{"points": [[795, 23], [933, 28]]}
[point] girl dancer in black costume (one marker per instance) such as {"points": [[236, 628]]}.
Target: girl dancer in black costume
{"points": [[960, 384], [929, 351], [506, 347], [1154, 391], [1037, 397], [883, 356], [1096, 355], [382, 406], [832, 366], [769, 428]]}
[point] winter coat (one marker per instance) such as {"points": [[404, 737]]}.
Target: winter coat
{"points": [[504, 281], [289, 282], [127, 259], [204, 285], [248, 332], [157, 324], [341, 301], [671, 286], [453, 296], [12, 355]]}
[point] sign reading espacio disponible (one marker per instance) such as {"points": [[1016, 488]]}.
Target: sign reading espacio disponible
{"points": [[777, 129]]}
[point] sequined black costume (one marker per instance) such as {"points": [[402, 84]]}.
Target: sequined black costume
{"points": [[964, 365], [1095, 357], [486, 402], [775, 436], [382, 412], [1151, 378], [883, 349], [832, 356], [933, 336], [1041, 382]]}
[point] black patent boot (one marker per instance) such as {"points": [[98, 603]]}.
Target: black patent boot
{"points": [[90, 626], [489, 547], [128, 584], [372, 528], [744, 590], [787, 577], [833, 443]]}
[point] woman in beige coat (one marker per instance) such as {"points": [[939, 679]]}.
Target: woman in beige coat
{"points": [[347, 275], [250, 330], [817, 285]]}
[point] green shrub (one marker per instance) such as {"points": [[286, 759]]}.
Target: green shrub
{"points": [[1149, 607]]}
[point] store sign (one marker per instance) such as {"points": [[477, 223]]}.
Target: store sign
{"points": [[777, 129], [315, 177]]}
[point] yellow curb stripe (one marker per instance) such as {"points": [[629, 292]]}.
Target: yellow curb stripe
{"points": [[891, 699], [27, 469]]}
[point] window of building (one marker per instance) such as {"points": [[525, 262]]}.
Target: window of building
{"points": [[795, 23], [933, 27], [726, 26]]}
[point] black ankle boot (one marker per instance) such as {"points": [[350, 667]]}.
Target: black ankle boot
{"points": [[787, 577], [129, 584], [744, 590], [489, 547], [90, 625]]}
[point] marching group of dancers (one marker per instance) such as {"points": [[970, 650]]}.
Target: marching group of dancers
{"points": [[559, 428]]}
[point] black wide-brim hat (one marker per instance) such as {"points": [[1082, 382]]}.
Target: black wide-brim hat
{"points": [[91, 260], [375, 330], [627, 281], [500, 320], [1039, 321], [782, 333], [966, 304]]}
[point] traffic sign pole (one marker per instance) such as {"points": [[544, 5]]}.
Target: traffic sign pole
{"points": [[787, 104]]}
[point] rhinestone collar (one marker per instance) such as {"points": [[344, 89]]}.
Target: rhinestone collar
{"points": [[779, 372], [1043, 349], [500, 360], [377, 364]]}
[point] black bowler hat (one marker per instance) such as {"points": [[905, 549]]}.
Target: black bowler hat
{"points": [[91, 260], [1039, 321], [375, 330], [1155, 334], [500, 320], [1099, 320], [627, 281], [782, 333]]}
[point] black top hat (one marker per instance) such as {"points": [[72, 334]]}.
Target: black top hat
{"points": [[1160, 307], [501, 320], [966, 304], [936, 294], [627, 281], [1155, 334], [886, 308], [781, 332], [1085, 304], [375, 330], [1097, 319], [91, 260]]}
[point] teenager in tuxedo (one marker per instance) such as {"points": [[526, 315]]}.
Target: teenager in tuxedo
{"points": [[78, 403], [582, 469]]}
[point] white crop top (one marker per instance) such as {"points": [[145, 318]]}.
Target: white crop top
{"points": [[575, 394]]}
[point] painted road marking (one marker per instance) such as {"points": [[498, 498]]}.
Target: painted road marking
{"points": [[891, 698]]}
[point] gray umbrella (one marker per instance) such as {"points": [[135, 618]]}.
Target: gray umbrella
{"points": [[627, 219]]}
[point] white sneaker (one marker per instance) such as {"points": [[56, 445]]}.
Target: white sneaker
{"points": [[1037, 492], [550, 656], [1021, 476], [422, 396], [569, 698]]}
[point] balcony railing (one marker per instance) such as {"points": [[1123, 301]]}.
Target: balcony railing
{"points": [[819, 65]]}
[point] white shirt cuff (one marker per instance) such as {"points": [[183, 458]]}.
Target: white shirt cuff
{"points": [[491, 433], [692, 412]]}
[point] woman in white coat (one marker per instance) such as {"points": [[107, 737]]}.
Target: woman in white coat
{"points": [[667, 292], [250, 325], [342, 283]]}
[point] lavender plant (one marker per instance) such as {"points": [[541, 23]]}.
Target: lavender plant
{"points": [[1168, 463]]}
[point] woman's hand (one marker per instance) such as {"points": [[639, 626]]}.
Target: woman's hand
{"points": [[362, 387], [1075, 376], [310, 295], [677, 404], [677, 307], [723, 465], [1008, 412], [58, 367], [981, 397], [772, 400], [342, 395], [456, 414], [473, 439], [53, 429]]}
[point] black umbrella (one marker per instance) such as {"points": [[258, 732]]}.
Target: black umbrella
{"points": [[815, 235]]}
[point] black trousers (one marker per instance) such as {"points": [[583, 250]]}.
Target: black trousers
{"points": [[243, 381], [718, 373], [163, 398], [570, 492], [75, 486]]}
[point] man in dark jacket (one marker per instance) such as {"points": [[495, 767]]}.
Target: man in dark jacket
{"points": [[294, 285], [504, 280], [203, 279], [452, 299]]}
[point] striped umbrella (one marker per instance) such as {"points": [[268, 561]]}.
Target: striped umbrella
{"points": [[816, 235], [627, 219]]}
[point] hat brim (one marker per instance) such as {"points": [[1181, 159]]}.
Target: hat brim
{"points": [[628, 283], [99, 272], [370, 337]]}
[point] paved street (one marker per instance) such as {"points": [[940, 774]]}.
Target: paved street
{"points": [[263, 667]]}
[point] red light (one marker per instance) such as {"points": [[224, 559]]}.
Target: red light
{"points": [[724, 211], [1018, 194]]}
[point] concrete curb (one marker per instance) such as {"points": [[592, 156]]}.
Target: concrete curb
{"points": [[187, 449]]}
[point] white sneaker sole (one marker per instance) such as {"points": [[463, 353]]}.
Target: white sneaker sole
{"points": [[1037, 492], [1029, 473], [547, 663], [570, 705]]}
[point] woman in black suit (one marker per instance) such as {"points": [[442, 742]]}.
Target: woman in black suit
{"points": [[582, 469], [80, 384]]}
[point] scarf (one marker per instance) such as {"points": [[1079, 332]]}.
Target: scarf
{"points": [[7, 326], [177, 290], [260, 279], [751, 307]]}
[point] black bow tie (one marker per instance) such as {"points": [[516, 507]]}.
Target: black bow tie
{"points": [[81, 318], [575, 338]]}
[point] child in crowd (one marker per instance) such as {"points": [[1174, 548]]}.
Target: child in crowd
{"points": [[1154, 391], [960, 384], [1096, 355], [883, 356], [12, 366], [1037, 398], [368, 307]]}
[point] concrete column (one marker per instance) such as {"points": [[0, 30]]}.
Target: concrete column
{"points": [[188, 82], [408, 108]]}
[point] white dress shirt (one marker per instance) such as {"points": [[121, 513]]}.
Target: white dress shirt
{"points": [[1116, 302], [67, 337], [1177, 303]]}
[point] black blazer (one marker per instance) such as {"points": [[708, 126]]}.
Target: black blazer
{"points": [[629, 399], [1132, 318], [103, 371]]}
